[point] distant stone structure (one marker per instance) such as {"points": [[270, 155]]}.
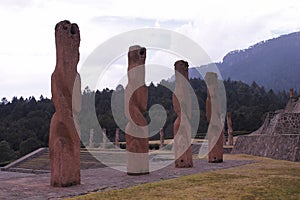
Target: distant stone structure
{"points": [[64, 141], [293, 104], [278, 137], [117, 138], [230, 130], [213, 114], [136, 96], [91, 140], [182, 127], [291, 93], [104, 138], [162, 138]]}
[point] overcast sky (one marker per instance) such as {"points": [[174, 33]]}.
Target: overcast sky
{"points": [[27, 48]]}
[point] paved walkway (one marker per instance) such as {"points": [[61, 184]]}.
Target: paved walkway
{"points": [[15, 185]]}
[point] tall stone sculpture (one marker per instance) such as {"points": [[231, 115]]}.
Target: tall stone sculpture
{"points": [[182, 127], [104, 138], [117, 138], [91, 141], [162, 138], [213, 115], [136, 96], [229, 125], [64, 141]]}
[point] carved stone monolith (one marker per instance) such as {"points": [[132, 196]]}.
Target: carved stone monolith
{"points": [[91, 140], [104, 138], [182, 106], [136, 96], [161, 139], [229, 125], [213, 114], [64, 141], [117, 138]]}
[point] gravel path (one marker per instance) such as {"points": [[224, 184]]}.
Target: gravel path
{"points": [[15, 185]]}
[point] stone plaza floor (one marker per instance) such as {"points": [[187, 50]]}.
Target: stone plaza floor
{"points": [[14, 185]]}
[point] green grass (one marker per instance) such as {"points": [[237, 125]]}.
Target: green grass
{"points": [[266, 179]]}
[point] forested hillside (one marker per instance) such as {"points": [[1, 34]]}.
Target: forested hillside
{"points": [[274, 63], [24, 123]]}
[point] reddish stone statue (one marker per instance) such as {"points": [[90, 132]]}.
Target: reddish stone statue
{"points": [[117, 138], [182, 106], [136, 96], [229, 125], [64, 141], [162, 138], [213, 115]]}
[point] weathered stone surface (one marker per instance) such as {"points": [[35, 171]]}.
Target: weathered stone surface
{"points": [[277, 138], [229, 125], [104, 138], [117, 138], [12, 184], [162, 138], [136, 96], [182, 106], [91, 140], [281, 147], [208, 106], [213, 114], [64, 141]]}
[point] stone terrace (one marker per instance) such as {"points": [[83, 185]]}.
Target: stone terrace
{"points": [[37, 186]]}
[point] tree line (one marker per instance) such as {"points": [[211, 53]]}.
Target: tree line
{"points": [[25, 123]]}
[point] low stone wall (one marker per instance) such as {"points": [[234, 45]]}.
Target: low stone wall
{"points": [[281, 147]]}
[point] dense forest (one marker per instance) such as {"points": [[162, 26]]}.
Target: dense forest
{"points": [[24, 123]]}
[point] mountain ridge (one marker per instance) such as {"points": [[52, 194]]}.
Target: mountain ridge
{"points": [[273, 63]]}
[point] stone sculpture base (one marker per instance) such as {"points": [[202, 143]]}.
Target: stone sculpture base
{"points": [[185, 160], [137, 163], [216, 148], [64, 154], [136, 155], [182, 145]]}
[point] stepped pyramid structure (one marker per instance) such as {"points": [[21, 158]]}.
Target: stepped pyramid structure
{"points": [[278, 137]]}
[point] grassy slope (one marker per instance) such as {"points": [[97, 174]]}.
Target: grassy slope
{"points": [[266, 179]]}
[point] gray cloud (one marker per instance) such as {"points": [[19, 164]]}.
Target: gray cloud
{"points": [[138, 21]]}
